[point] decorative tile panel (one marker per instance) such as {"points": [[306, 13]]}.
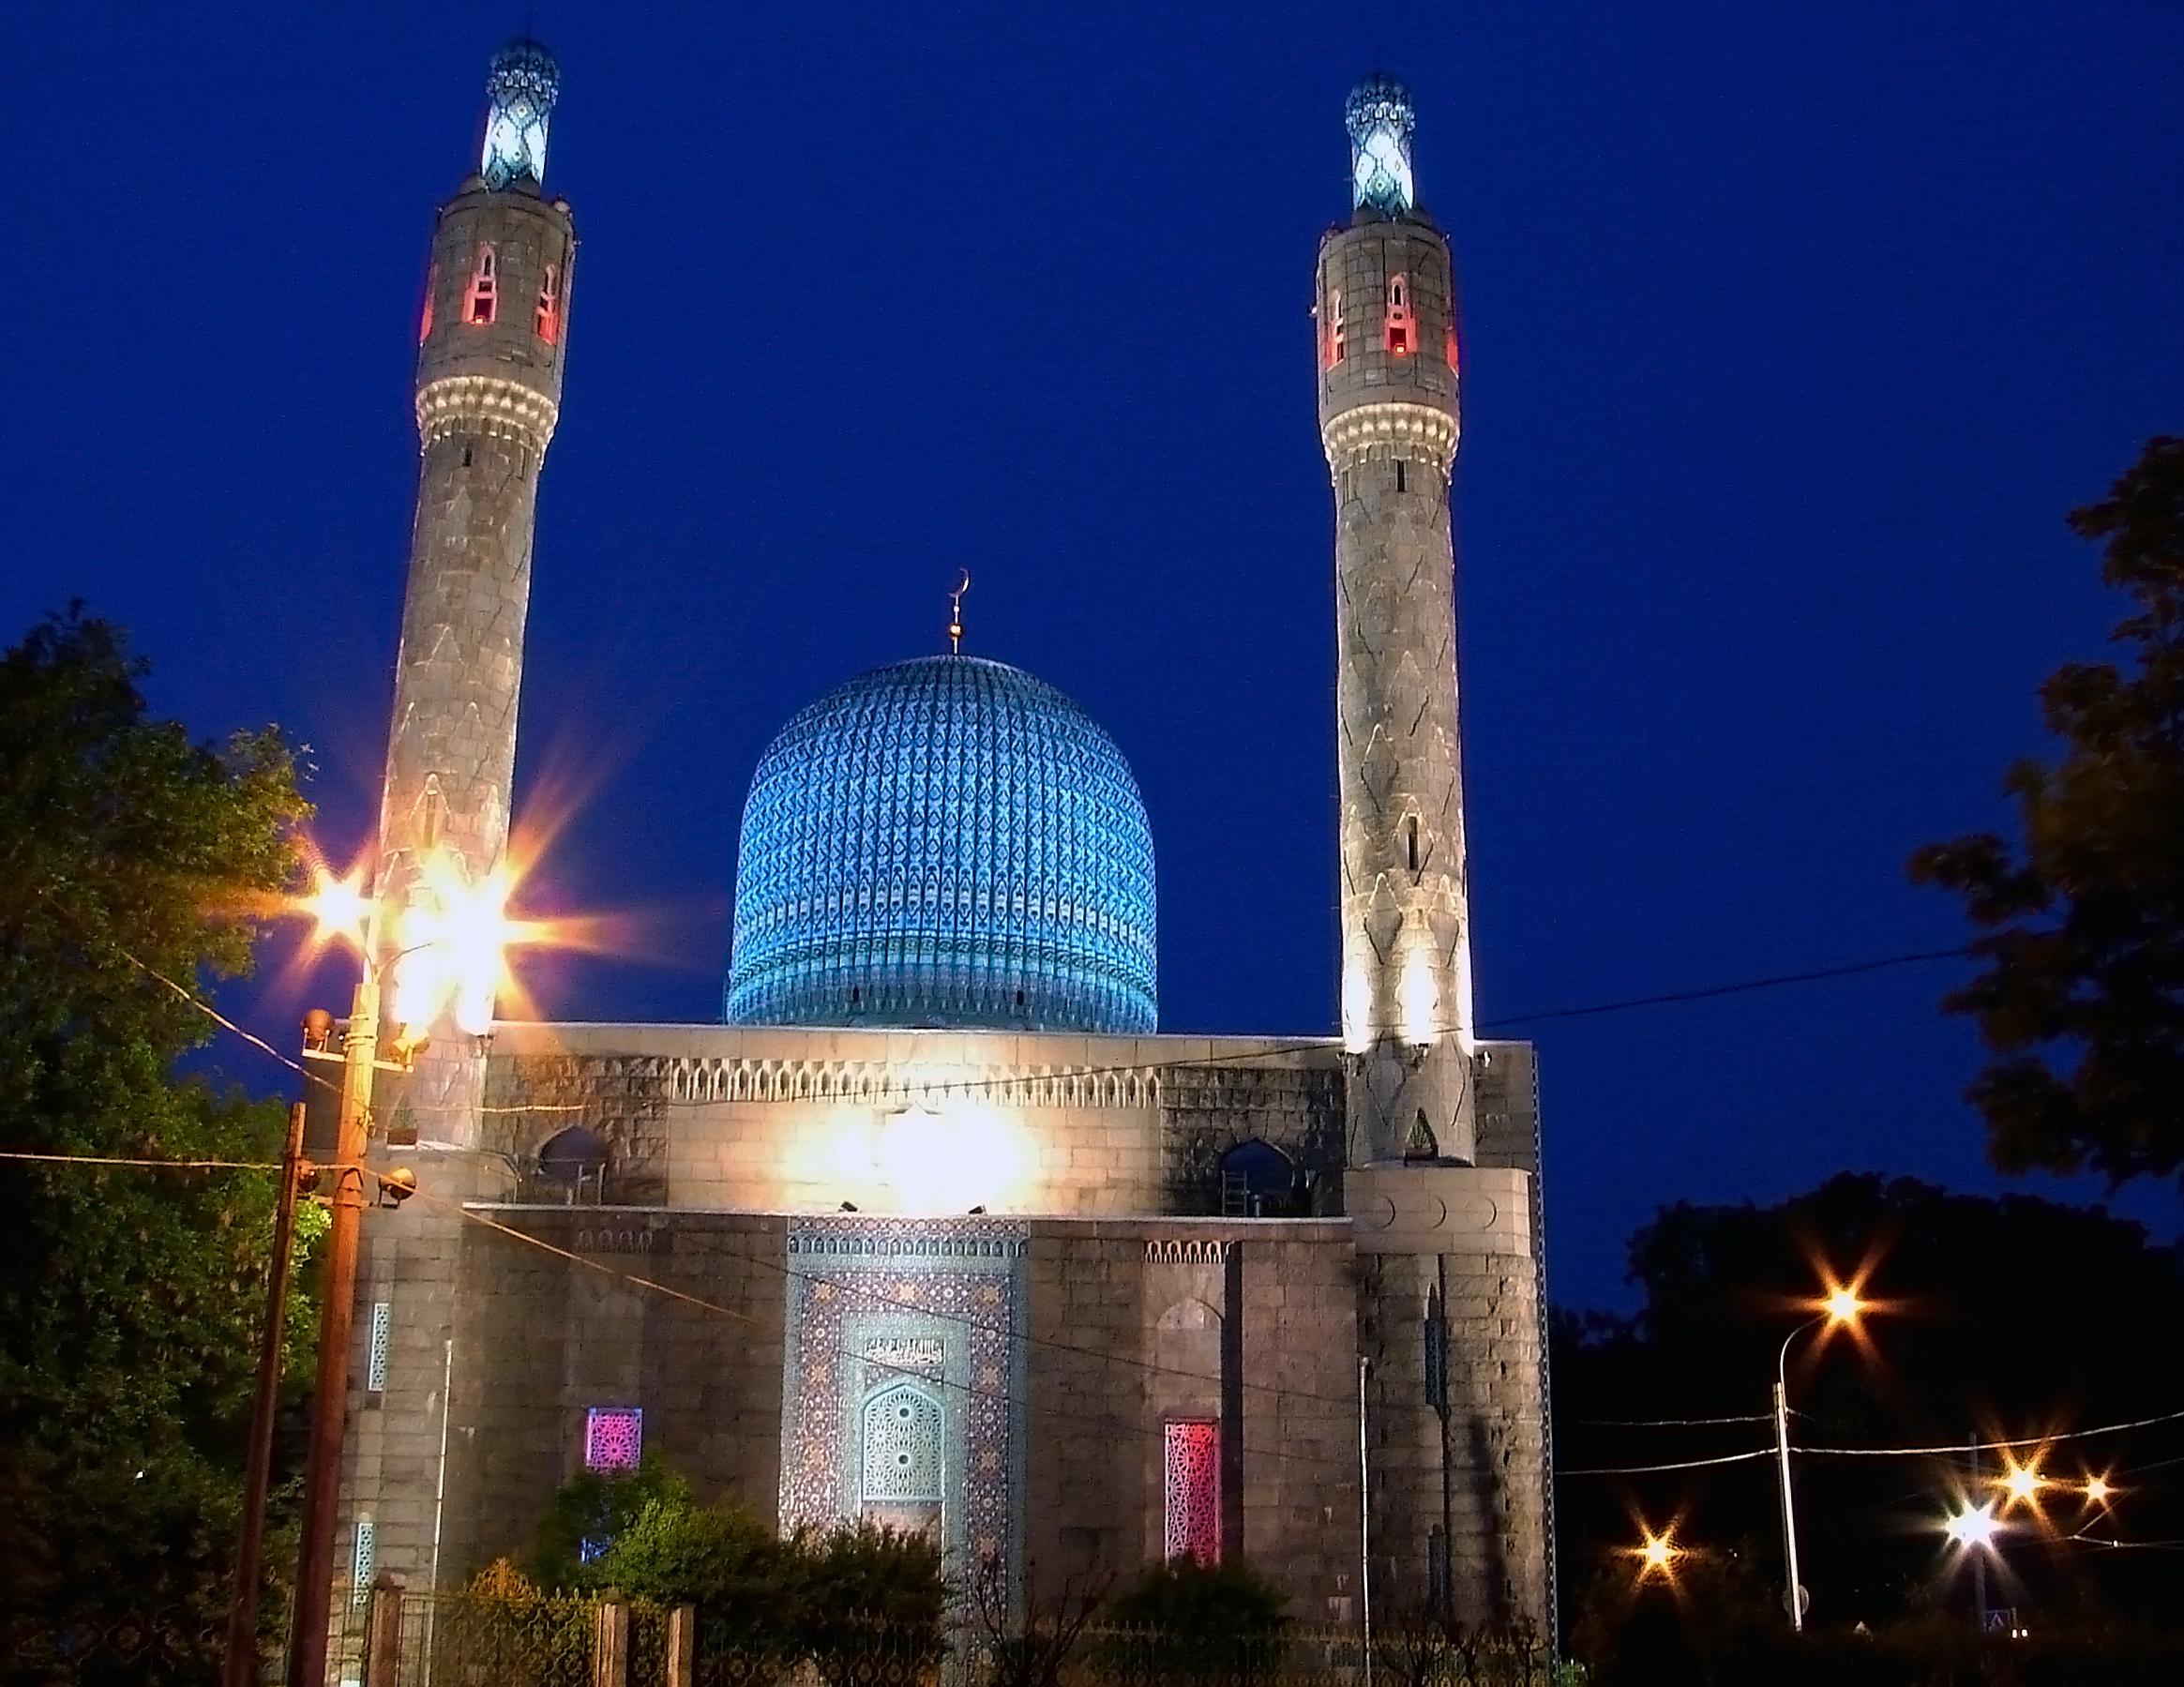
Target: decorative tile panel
{"points": [[613, 1438], [1194, 1490], [375, 1355]]}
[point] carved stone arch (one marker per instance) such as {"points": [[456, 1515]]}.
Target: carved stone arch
{"points": [[1191, 1315]]}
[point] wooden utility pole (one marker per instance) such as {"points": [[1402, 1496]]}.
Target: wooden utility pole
{"points": [[242, 1661]]}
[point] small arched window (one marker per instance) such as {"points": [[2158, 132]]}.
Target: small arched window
{"points": [[548, 319], [1337, 339], [1410, 832], [1400, 326], [482, 302], [425, 320]]}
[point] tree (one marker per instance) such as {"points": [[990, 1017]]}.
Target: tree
{"points": [[2082, 1001], [590, 1513], [1998, 1318], [1029, 1642], [130, 1300]]}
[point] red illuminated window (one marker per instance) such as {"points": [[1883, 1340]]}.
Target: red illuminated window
{"points": [[1401, 329], [549, 305], [1452, 348], [613, 1438], [479, 305], [431, 287], [1194, 1490], [1337, 344]]}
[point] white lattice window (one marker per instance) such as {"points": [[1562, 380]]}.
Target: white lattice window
{"points": [[613, 1438], [482, 300], [1337, 335], [383, 1321], [1194, 1490], [904, 1439], [1400, 324], [363, 1559]]}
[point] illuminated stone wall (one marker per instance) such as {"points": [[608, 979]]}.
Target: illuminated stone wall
{"points": [[917, 1123]]}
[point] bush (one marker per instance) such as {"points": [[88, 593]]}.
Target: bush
{"points": [[1201, 1621], [859, 1600]]}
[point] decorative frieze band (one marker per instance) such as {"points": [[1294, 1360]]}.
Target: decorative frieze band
{"points": [[873, 1084], [1196, 1250], [1353, 436], [485, 403]]}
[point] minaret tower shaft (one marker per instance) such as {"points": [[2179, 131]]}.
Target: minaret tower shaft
{"points": [[1388, 420], [491, 344]]}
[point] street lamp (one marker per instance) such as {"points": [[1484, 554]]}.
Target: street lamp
{"points": [[458, 931], [1841, 1308]]}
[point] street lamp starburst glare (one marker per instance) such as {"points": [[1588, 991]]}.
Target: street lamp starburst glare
{"points": [[1974, 1527]]}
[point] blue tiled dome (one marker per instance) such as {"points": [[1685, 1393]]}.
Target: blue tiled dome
{"points": [[944, 842]]}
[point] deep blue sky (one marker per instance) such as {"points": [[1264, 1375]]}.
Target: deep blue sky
{"points": [[1792, 331]]}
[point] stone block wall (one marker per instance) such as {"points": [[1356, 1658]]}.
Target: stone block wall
{"points": [[541, 1339]]}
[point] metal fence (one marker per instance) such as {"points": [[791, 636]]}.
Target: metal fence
{"points": [[565, 1640]]}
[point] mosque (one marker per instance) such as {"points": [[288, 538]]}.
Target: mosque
{"points": [[936, 1226]]}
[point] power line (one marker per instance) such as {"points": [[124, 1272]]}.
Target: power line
{"points": [[472, 1215], [11, 1153], [1754, 1417], [2029, 1440], [1706, 992], [1687, 1464]]}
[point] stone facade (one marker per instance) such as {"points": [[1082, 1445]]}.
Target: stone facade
{"points": [[1100, 1296]]}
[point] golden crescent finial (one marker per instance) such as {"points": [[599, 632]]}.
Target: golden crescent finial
{"points": [[956, 615]]}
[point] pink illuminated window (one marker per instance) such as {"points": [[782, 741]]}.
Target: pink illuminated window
{"points": [[550, 306], [1401, 328], [1194, 1490], [1337, 344], [431, 287], [1452, 348], [613, 1438], [484, 286]]}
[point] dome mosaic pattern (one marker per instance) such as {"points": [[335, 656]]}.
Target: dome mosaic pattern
{"points": [[944, 842]]}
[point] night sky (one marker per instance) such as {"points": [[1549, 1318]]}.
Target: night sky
{"points": [[1790, 333]]}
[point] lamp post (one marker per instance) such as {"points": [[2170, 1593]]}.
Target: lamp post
{"points": [[1841, 1307], [307, 1649]]}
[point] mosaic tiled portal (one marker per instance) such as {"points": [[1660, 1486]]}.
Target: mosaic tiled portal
{"points": [[903, 1381]]}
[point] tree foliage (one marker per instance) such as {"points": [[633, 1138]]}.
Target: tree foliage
{"points": [[2082, 1001], [130, 1300], [1998, 1318]]}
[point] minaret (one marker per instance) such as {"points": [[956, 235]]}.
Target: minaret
{"points": [[490, 343], [1388, 418]]}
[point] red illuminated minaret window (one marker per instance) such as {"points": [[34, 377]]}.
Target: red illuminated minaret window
{"points": [[479, 305], [549, 305], [1452, 348], [1337, 342], [1401, 329], [431, 287]]}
